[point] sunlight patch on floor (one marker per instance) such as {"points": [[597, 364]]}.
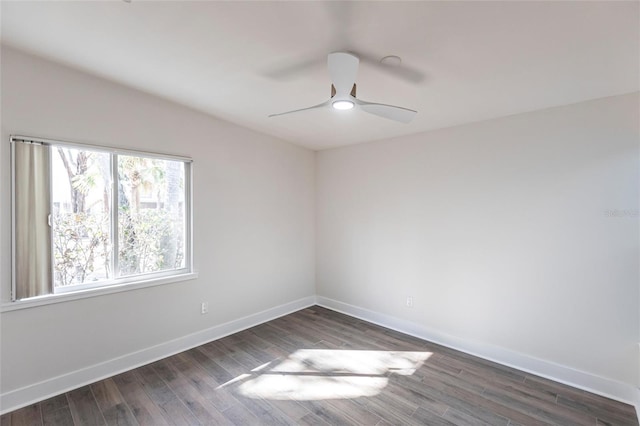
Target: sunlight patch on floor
{"points": [[315, 374]]}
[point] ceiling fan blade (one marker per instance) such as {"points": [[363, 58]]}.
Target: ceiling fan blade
{"points": [[402, 71], [324, 104], [396, 113], [294, 70], [343, 69]]}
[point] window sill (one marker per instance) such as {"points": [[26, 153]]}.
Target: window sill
{"points": [[84, 294]]}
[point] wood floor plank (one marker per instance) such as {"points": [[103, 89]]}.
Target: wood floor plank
{"points": [[143, 409], [278, 353], [242, 379], [433, 373], [580, 400], [464, 419], [521, 389], [61, 417], [201, 380], [247, 348], [163, 397], [321, 331], [408, 401], [542, 410], [358, 413], [26, 416], [84, 408], [264, 411], [112, 404], [481, 367], [464, 400], [202, 408], [247, 361], [219, 373], [250, 336], [317, 331], [229, 364], [311, 420], [390, 416], [239, 415], [346, 336], [604, 414], [5, 419], [427, 417], [551, 386], [276, 338], [291, 408], [56, 412], [120, 414], [328, 413], [56, 403]]}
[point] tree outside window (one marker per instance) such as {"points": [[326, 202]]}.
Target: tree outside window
{"points": [[94, 243]]}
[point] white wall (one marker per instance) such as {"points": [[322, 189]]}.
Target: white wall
{"points": [[253, 221], [499, 231]]}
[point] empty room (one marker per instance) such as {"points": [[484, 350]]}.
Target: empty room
{"points": [[319, 212]]}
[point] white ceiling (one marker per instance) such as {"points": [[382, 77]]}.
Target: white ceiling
{"points": [[240, 61]]}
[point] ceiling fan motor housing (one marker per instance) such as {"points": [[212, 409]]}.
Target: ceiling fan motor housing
{"points": [[353, 90]]}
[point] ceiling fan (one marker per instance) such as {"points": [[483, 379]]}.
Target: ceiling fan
{"points": [[343, 69]]}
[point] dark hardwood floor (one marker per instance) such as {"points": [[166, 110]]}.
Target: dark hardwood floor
{"points": [[318, 367]]}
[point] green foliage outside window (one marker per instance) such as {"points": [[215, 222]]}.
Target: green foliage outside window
{"points": [[150, 216]]}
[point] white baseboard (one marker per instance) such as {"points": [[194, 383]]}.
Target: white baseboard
{"points": [[637, 404], [609, 388], [27, 395]]}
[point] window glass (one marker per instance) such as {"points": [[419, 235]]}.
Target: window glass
{"points": [[151, 215], [81, 216]]}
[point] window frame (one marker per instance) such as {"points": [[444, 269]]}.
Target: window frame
{"points": [[116, 284]]}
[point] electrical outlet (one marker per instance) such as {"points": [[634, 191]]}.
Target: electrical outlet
{"points": [[409, 302], [204, 308]]}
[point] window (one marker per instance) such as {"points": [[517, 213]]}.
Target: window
{"points": [[88, 217]]}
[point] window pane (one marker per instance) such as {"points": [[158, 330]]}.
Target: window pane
{"points": [[81, 196], [151, 215]]}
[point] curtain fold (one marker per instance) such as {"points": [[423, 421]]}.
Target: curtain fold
{"points": [[32, 230]]}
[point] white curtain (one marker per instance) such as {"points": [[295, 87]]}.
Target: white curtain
{"points": [[32, 231]]}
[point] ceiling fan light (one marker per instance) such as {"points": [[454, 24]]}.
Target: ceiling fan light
{"points": [[342, 105]]}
